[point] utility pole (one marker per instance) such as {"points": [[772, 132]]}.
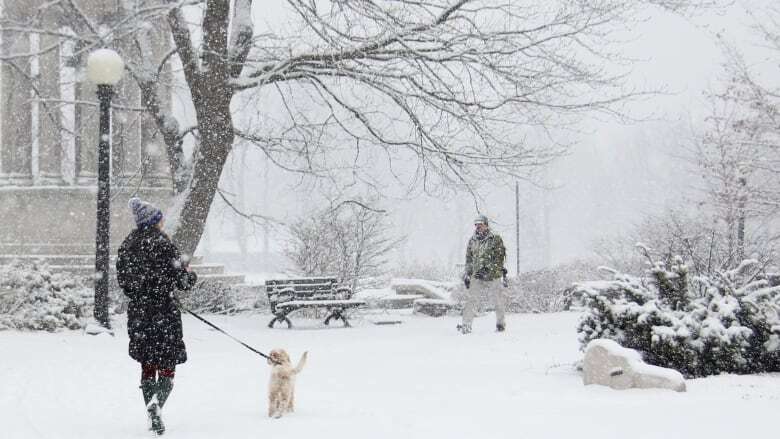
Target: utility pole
{"points": [[240, 225], [266, 208], [517, 227], [741, 205]]}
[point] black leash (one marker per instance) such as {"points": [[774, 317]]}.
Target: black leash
{"points": [[220, 330]]}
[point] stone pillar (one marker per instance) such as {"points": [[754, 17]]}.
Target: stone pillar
{"points": [[50, 144], [68, 109], [153, 146], [86, 124], [3, 86], [16, 141], [126, 132]]}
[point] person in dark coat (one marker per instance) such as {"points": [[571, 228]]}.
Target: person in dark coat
{"points": [[149, 269]]}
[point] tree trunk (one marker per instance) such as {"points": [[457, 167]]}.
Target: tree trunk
{"points": [[216, 127], [741, 220]]}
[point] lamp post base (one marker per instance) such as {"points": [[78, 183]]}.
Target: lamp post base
{"points": [[96, 328]]}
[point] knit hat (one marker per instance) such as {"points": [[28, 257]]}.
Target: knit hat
{"points": [[481, 219], [145, 214]]}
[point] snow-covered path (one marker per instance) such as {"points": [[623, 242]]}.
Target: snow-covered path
{"points": [[419, 379]]}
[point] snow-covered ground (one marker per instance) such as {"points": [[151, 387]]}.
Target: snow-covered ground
{"points": [[419, 379]]}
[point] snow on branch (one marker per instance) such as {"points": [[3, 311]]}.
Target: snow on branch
{"points": [[240, 36]]}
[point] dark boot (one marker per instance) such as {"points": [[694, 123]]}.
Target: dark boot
{"points": [[154, 414], [164, 388], [500, 327], [464, 329], [150, 392]]}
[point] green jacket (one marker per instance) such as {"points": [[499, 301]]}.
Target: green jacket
{"points": [[485, 257]]}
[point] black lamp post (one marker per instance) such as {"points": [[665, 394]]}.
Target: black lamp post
{"points": [[104, 68]]}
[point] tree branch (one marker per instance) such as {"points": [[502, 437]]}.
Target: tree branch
{"points": [[240, 36], [181, 38]]}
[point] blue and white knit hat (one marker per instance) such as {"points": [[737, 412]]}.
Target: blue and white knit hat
{"points": [[145, 214]]}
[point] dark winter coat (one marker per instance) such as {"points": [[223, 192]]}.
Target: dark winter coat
{"points": [[149, 268], [485, 256]]}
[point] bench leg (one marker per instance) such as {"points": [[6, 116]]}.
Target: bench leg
{"points": [[337, 314], [327, 319], [280, 318]]}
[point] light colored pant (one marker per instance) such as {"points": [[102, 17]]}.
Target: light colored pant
{"points": [[478, 295]]}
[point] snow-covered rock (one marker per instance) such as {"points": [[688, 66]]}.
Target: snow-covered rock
{"points": [[609, 364], [433, 307], [94, 328], [427, 288], [386, 298]]}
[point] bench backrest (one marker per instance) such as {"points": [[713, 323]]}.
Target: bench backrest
{"points": [[305, 288]]}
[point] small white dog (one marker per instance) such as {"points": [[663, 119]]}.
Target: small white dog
{"points": [[281, 389]]}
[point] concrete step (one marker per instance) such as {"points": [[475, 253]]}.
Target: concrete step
{"points": [[6, 259], [201, 269], [84, 265], [230, 279], [49, 249]]}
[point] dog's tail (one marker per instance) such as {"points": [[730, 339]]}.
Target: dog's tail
{"points": [[301, 362]]}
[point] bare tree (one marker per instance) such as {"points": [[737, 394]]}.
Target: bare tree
{"points": [[451, 86], [349, 241], [737, 156]]}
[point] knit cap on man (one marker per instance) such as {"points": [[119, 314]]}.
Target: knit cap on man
{"points": [[145, 214]]}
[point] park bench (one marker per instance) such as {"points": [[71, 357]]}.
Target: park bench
{"points": [[288, 295]]}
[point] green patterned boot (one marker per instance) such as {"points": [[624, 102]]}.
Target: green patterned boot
{"points": [[150, 392], [164, 388]]}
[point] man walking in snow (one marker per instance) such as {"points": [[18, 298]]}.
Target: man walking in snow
{"points": [[485, 254], [149, 269]]}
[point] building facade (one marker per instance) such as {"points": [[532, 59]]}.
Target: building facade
{"points": [[49, 131]]}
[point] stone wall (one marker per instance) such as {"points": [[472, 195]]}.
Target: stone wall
{"points": [[55, 221]]}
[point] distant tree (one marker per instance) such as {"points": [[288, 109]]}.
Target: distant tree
{"points": [[695, 235], [350, 242], [737, 156]]}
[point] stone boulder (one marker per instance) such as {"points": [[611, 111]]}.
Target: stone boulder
{"points": [[609, 364], [433, 307]]}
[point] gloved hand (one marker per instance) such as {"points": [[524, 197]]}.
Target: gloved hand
{"points": [[504, 280], [186, 279], [467, 281]]}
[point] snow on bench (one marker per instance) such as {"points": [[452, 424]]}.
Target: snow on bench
{"points": [[288, 295]]}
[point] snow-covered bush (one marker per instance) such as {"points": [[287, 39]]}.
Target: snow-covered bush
{"points": [[729, 322], [545, 290], [34, 298], [213, 297]]}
